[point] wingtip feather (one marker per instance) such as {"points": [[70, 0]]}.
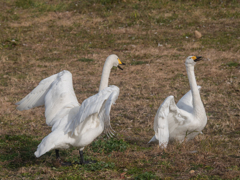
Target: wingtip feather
{"points": [[37, 154], [19, 108]]}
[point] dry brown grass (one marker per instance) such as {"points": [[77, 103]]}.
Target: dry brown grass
{"points": [[38, 42]]}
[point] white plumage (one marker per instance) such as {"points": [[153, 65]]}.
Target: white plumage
{"points": [[184, 120], [72, 124]]}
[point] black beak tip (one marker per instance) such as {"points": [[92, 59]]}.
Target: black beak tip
{"points": [[120, 67], [198, 58]]}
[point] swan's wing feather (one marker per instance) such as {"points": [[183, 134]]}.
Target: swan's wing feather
{"points": [[61, 95], [161, 120], [93, 105], [104, 114], [55, 92], [161, 123], [36, 96], [185, 102]]}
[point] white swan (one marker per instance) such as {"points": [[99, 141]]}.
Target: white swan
{"points": [[72, 124], [184, 120]]}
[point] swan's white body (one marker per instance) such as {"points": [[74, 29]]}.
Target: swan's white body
{"points": [[184, 120], [72, 124]]}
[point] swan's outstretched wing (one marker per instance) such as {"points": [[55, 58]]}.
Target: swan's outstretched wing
{"points": [[162, 122], [101, 104], [37, 95], [55, 92], [105, 112], [185, 102]]}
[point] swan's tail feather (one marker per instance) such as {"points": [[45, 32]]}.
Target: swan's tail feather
{"points": [[45, 146]]}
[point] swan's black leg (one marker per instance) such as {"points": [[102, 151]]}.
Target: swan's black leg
{"points": [[82, 162], [57, 153], [81, 157]]}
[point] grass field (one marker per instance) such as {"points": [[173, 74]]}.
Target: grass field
{"points": [[39, 38]]}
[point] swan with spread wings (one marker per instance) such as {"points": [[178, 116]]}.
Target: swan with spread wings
{"points": [[184, 120], [73, 124]]}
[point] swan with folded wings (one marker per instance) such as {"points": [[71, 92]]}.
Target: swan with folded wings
{"points": [[73, 124], [184, 120]]}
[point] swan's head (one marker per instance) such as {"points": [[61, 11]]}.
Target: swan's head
{"points": [[191, 60], [115, 61]]}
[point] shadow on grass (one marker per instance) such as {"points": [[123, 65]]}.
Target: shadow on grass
{"points": [[18, 150]]}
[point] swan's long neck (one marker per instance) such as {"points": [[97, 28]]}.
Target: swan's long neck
{"points": [[105, 74], [198, 108]]}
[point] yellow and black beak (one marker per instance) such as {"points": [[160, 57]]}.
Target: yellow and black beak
{"points": [[197, 58], [120, 63]]}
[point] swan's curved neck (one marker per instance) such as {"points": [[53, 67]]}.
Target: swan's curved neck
{"points": [[105, 74], [198, 107]]}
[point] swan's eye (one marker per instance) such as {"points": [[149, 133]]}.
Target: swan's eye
{"points": [[119, 61], [194, 57]]}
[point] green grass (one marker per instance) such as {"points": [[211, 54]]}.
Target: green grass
{"points": [[85, 60], [10, 43], [25, 3], [109, 145], [41, 6], [163, 20], [145, 176], [3, 80], [221, 41], [233, 64], [17, 148], [138, 62], [99, 166]]}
